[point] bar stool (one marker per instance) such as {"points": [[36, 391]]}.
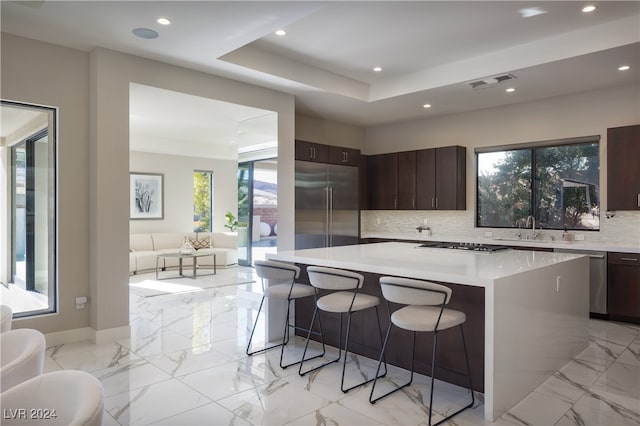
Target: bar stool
{"points": [[424, 311], [343, 299], [281, 277]]}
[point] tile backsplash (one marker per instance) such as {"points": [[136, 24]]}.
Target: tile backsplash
{"points": [[623, 228]]}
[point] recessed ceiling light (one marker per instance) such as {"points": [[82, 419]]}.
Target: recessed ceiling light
{"points": [[163, 21], [624, 68], [528, 12], [589, 8], [281, 32], [510, 89], [377, 69], [426, 106], [146, 33]]}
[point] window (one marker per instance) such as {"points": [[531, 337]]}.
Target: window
{"points": [[556, 184], [27, 181], [202, 200]]}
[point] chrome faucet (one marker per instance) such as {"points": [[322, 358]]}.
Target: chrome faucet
{"points": [[532, 220]]}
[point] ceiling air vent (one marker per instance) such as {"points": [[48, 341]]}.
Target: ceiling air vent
{"points": [[487, 82]]}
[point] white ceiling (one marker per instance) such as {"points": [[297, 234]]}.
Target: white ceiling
{"points": [[429, 50]]}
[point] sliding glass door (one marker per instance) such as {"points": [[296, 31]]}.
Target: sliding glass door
{"points": [[245, 212], [257, 210]]}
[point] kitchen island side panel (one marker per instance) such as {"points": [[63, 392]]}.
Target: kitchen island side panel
{"points": [[365, 338], [537, 323]]}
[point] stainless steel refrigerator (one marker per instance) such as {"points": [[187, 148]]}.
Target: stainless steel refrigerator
{"points": [[326, 205]]}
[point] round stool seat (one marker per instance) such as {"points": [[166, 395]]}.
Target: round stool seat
{"points": [[281, 291], [425, 318], [340, 301]]}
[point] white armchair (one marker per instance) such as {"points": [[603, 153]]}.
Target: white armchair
{"points": [[6, 317], [67, 397], [21, 356]]}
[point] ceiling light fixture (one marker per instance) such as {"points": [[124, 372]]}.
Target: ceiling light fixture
{"points": [[510, 89], [624, 68], [528, 12], [145, 33], [426, 106], [163, 21], [377, 69], [281, 33], [589, 8]]}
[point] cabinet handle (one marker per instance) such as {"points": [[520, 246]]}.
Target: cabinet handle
{"points": [[628, 259], [413, 202], [346, 160], [310, 152], [638, 200], [433, 205]]}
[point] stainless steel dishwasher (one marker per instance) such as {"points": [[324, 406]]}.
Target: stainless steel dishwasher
{"points": [[597, 278]]}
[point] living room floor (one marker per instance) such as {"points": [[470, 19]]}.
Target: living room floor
{"points": [[185, 364]]}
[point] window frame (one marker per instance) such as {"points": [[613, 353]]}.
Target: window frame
{"points": [[533, 200], [52, 195], [211, 193]]}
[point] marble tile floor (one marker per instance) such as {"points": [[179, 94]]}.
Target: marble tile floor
{"points": [[185, 364]]}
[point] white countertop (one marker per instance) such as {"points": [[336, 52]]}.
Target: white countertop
{"points": [[547, 243], [408, 260]]}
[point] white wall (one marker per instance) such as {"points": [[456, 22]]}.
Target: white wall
{"points": [[582, 114], [328, 132], [178, 190]]}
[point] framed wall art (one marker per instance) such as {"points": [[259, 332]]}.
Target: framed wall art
{"points": [[147, 196]]}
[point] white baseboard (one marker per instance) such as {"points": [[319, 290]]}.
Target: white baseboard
{"points": [[88, 333]]}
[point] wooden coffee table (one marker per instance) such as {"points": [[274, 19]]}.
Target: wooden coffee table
{"points": [[180, 257]]}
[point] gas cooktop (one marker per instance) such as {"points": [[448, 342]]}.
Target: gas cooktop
{"points": [[484, 248]]}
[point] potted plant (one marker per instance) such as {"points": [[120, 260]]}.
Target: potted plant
{"points": [[232, 222]]}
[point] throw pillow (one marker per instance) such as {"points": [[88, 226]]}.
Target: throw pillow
{"points": [[199, 244]]}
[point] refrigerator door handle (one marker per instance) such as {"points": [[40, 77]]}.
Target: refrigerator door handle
{"points": [[326, 216], [331, 216]]}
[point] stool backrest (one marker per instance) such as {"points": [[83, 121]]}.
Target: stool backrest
{"points": [[276, 272], [414, 292], [334, 279]]}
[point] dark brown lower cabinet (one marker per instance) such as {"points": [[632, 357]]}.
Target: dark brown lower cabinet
{"points": [[365, 336], [624, 287]]}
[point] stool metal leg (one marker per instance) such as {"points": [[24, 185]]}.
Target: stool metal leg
{"points": [[317, 313], [253, 331], [287, 327], [346, 353], [396, 389], [433, 364]]}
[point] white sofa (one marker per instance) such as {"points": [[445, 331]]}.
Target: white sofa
{"points": [[144, 249]]}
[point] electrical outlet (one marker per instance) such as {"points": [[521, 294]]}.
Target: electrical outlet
{"points": [[578, 237], [488, 234], [378, 220]]}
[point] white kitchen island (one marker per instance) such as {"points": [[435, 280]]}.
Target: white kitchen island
{"points": [[536, 304]]}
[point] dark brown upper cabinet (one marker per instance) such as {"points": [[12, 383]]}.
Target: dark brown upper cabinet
{"points": [[427, 179], [442, 178], [407, 180], [344, 156], [383, 181], [623, 168], [310, 151]]}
